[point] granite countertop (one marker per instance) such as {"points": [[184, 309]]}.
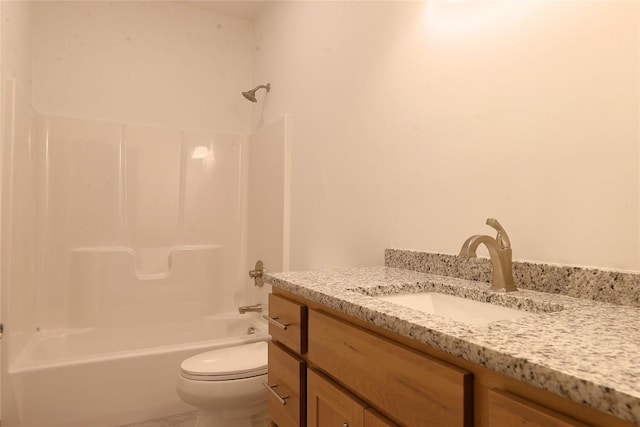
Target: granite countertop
{"points": [[584, 350]]}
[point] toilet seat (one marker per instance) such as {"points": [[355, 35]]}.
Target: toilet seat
{"points": [[230, 363]]}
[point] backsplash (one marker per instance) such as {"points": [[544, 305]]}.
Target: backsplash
{"points": [[615, 287]]}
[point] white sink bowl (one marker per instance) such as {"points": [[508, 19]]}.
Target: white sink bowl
{"points": [[455, 308]]}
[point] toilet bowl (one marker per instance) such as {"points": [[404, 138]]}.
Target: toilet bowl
{"points": [[226, 386]]}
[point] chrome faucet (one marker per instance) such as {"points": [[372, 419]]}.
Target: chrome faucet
{"points": [[500, 252], [253, 308]]}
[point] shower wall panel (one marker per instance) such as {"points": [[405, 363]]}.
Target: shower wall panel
{"points": [[153, 186], [141, 223], [212, 180], [83, 181], [107, 294], [18, 225], [212, 204], [269, 200], [19, 232], [80, 202]]}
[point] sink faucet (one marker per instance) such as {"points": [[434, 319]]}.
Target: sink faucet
{"points": [[500, 252], [246, 308]]}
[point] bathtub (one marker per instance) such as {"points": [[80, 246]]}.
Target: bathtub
{"points": [[115, 376]]}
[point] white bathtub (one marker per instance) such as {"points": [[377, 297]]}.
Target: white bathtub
{"points": [[115, 376]]}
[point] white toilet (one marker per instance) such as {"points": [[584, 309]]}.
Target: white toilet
{"points": [[226, 386]]}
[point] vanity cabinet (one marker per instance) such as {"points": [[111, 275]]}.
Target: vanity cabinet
{"points": [[412, 388], [374, 419], [329, 405], [286, 384], [288, 323], [352, 373], [287, 387], [506, 409]]}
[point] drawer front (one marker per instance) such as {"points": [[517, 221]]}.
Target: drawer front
{"points": [[509, 410], [287, 393], [414, 389], [288, 323]]}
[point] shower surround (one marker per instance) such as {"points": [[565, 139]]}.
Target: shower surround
{"points": [[141, 246], [139, 224], [143, 236], [125, 163]]}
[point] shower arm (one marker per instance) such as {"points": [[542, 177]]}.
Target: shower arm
{"points": [[251, 94]]}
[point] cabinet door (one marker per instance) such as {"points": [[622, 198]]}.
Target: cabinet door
{"points": [[374, 419], [330, 406], [509, 410], [286, 387], [414, 389]]}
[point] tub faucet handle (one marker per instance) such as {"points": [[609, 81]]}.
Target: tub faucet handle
{"points": [[256, 274]]}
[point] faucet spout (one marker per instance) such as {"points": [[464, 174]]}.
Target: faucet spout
{"points": [[500, 253]]}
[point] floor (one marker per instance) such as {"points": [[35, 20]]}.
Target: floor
{"points": [[181, 420]]}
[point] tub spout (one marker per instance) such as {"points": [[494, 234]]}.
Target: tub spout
{"points": [[500, 253], [257, 308]]}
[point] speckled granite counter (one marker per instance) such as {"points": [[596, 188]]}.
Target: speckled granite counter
{"points": [[581, 349]]}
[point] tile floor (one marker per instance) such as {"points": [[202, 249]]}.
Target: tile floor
{"points": [[181, 420]]}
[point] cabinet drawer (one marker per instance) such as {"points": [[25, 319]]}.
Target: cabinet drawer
{"points": [[509, 410], [287, 382], [414, 389], [288, 323]]}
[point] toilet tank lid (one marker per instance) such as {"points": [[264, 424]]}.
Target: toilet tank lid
{"points": [[239, 359]]}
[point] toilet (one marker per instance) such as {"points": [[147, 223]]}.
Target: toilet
{"points": [[226, 386]]}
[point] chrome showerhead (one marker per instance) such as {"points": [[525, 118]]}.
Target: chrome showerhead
{"points": [[251, 94]]}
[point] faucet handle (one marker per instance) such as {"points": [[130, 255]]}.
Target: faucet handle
{"points": [[502, 238], [256, 274]]}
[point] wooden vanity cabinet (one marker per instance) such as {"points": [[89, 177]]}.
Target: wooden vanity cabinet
{"points": [[410, 387], [329, 405], [288, 323], [373, 419], [355, 374], [506, 409], [287, 388]]}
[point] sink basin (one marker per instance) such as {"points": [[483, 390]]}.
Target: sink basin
{"points": [[455, 308]]}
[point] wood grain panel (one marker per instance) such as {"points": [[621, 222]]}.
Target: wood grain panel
{"points": [[484, 379], [509, 410], [374, 419], [292, 314], [413, 389], [330, 406], [287, 374]]}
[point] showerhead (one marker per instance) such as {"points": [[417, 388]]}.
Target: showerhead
{"points": [[251, 94]]}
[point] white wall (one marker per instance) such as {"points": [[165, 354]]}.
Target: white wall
{"points": [[142, 62], [412, 122]]}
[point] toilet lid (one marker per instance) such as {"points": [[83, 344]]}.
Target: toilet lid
{"points": [[230, 363]]}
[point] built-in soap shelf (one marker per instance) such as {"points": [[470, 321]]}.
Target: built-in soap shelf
{"points": [[152, 263], [125, 282]]}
